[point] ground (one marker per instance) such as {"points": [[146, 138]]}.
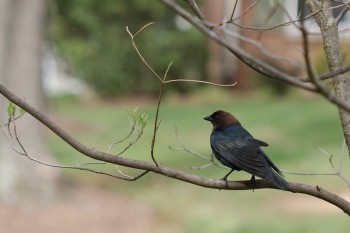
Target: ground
{"points": [[87, 210], [95, 210]]}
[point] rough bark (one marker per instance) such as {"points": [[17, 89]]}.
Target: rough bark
{"points": [[21, 37], [330, 34]]}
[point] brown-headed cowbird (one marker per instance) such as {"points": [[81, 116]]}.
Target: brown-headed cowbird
{"points": [[237, 149]]}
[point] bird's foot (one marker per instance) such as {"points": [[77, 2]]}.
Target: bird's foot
{"points": [[225, 179], [253, 181]]}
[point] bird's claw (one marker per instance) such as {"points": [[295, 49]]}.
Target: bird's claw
{"points": [[253, 181], [226, 182], [225, 178]]}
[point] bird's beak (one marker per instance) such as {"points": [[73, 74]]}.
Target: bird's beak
{"points": [[208, 118]]}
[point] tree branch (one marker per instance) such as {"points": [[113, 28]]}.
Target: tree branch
{"points": [[341, 70], [342, 13], [262, 67], [195, 8], [250, 60], [132, 37], [335, 61], [169, 172]]}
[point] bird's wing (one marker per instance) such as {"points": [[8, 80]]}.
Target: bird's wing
{"points": [[241, 152]]}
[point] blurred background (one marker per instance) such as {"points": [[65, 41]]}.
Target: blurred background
{"points": [[74, 61]]}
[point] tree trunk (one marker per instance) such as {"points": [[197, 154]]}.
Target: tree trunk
{"points": [[21, 37], [332, 48]]}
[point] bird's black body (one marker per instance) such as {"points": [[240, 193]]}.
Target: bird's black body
{"points": [[237, 149]]}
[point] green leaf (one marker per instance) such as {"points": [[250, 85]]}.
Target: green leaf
{"points": [[130, 117], [143, 120], [22, 111], [11, 109], [138, 117], [135, 114]]}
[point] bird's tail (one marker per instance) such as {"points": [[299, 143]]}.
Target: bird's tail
{"points": [[278, 180], [274, 174]]}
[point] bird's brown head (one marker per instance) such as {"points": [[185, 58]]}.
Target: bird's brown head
{"points": [[221, 120]]}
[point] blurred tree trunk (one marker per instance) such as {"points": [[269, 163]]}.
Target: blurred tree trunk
{"points": [[22, 25], [222, 66], [332, 48]]}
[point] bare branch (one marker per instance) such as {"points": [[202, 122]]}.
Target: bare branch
{"points": [[233, 10], [253, 62], [156, 123], [124, 139], [169, 172], [244, 12], [283, 24], [331, 74], [82, 167], [312, 75], [131, 178], [342, 13], [9, 134], [195, 8], [190, 151], [337, 170], [310, 173], [156, 74], [132, 36], [202, 167], [200, 81], [258, 45]]}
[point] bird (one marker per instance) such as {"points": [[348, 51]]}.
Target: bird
{"points": [[237, 149]]}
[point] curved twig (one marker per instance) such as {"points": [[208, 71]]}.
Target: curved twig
{"points": [[162, 80]]}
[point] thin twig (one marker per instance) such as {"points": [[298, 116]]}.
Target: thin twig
{"points": [[138, 51], [338, 169], [130, 143], [156, 74], [244, 12], [233, 10], [14, 138], [200, 81], [263, 49], [342, 13], [195, 8], [331, 74], [156, 124], [124, 139], [310, 173], [249, 59], [17, 138], [128, 177], [283, 24], [9, 135], [202, 167], [190, 151]]}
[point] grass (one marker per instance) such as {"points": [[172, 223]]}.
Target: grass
{"points": [[292, 126]]}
